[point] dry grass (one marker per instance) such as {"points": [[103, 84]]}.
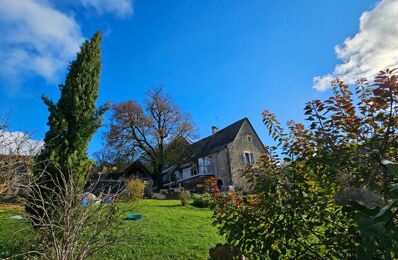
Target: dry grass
{"points": [[10, 207]]}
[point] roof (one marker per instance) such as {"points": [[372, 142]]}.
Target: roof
{"points": [[218, 140], [133, 169], [137, 166]]}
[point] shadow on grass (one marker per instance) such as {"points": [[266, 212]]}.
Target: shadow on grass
{"points": [[170, 206]]}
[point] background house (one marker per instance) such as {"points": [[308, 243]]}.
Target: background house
{"points": [[117, 180], [224, 155]]}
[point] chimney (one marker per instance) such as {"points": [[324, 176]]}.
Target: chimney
{"points": [[214, 130]]}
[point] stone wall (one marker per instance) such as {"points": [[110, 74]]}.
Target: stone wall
{"points": [[221, 166], [236, 150]]}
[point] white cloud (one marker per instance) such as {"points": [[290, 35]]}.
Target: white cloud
{"points": [[18, 143], [36, 39], [373, 48], [123, 8]]}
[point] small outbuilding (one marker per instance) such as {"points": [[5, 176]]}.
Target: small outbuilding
{"points": [[117, 180]]}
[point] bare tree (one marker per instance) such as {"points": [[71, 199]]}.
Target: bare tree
{"points": [[150, 128], [67, 228], [16, 155], [112, 156]]}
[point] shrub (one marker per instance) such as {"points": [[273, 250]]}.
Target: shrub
{"points": [[69, 228], [184, 196], [224, 251], [378, 225], [343, 151], [204, 200], [136, 188]]}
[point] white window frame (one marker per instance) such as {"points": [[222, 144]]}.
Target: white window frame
{"points": [[249, 160]]}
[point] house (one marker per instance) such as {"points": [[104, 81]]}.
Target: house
{"points": [[117, 180], [223, 155]]}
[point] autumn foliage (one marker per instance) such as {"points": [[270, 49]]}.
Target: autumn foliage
{"points": [[153, 133], [324, 190]]}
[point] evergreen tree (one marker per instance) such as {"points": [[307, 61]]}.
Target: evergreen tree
{"points": [[72, 122], [74, 119]]}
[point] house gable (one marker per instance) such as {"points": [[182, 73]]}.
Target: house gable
{"points": [[245, 149]]}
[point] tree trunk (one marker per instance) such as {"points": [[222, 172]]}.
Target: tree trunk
{"points": [[157, 181], [157, 174]]}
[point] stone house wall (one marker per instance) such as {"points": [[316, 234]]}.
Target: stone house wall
{"points": [[236, 150], [221, 166]]}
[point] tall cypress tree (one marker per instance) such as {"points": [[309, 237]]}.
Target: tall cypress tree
{"points": [[74, 119]]}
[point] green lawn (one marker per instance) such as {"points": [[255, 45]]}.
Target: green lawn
{"points": [[167, 231]]}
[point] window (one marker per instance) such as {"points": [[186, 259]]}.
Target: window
{"points": [[249, 138], [166, 179], [205, 165], [177, 175], [248, 158], [186, 173], [174, 176]]}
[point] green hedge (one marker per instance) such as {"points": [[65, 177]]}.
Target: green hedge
{"points": [[202, 200]]}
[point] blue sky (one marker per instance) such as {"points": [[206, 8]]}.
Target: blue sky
{"points": [[220, 60]]}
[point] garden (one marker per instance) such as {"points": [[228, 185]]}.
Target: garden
{"points": [[167, 231], [325, 189]]}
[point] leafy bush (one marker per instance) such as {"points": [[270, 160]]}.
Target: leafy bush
{"points": [[296, 213], [379, 225], [204, 200], [184, 196], [224, 251], [136, 188]]}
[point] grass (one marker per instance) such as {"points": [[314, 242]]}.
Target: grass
{"points": [[15, 235], [167, 231]]}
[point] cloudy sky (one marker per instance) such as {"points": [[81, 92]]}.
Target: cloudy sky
{"points": [[220, 60]]}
